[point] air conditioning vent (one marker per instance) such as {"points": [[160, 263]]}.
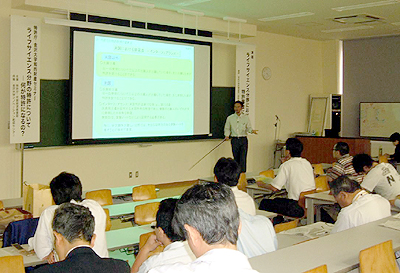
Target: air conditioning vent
{"points": [[357, 19]]}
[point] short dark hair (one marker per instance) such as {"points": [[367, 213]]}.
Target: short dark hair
{"points": [[345, 184], [294, 146], [65, 187], [74, 222], [164, 218], [210, 209], [240, 102], [227, 171], [360, 161], [342, 148], [395, 136]]}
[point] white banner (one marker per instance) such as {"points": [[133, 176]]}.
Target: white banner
{"points": [[24, 80], [246, 79]]}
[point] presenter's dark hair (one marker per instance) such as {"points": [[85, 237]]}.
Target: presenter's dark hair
{"points": [[164, 218], [210, 209], [65, 187], [342, 148], [240, 102], [294, 146], [345, 184], [395, 136], [360, 161], [74, 222], [227, 171]]}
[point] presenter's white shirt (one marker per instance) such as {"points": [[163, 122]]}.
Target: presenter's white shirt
{"points": [[173, 253], [365, 208], [384, 180], [244, 201], [214, 261], [43, 240], [296, 175], [237, 126]]}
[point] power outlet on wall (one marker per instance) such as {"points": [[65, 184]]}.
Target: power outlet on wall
{"points": [[137, 174], [130, 174]]}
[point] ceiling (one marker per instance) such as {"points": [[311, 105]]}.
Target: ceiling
{"points": [[369, 18]]}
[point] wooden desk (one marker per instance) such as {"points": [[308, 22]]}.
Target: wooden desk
{"points": [[125, 237], [319, 198], [253, 190], [338, 251], [28, 260]]}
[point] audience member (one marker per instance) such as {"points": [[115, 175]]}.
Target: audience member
{"points": [[176, 247], [227, 171], [358, 206], [67, 187], [73, 228], [380, 178], [296, 175], [395, 158], [207, 215]]}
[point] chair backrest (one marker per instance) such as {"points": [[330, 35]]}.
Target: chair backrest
{"points": [[319, 269], [268, 173], [20, 231], [108, 220], [1, 205], [321, 183], [285, 226], [378, 258], [318, 169], [383, 159], [103, 197], [242, 182], [144, 192], [146, 213], [12, 264], [302, 199], [143, 239]]}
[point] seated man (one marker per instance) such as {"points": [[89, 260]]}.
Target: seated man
{"points": [[344, 164], [73, 227], [207, 215], [395, 139], [67, 187], [380, 178], [176, 247], [227, 171], [296, 175], [358, 206]]}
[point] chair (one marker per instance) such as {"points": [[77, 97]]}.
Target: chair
{"points": [[143, 239], [318, 169], [321, 183], [242, 182], [146, 213], [103, 197], [144, 192], [285, 226], [319, 269], [302, 199], [1, 205], [20, 231], [268, 173], [378, 258], [12, 264], [108, 221], [383, 159]]}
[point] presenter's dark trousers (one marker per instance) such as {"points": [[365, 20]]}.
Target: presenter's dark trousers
{"points": [[282, 206], [239, 151]]}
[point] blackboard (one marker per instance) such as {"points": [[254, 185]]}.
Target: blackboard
{"points": [[54, 109]]}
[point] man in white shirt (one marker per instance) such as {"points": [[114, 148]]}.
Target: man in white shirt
{"points": [[67, 187], [237, 126], [358, 206], [176, 247], [296, 175], [207, 215], [382, 178], [227, 171]]}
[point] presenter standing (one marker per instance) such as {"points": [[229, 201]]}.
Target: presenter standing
{"points": [[237, 127]]}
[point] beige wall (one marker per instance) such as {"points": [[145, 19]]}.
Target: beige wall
{"points": [[297, 70]]}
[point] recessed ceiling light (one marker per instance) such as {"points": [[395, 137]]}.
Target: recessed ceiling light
{"points": [[191, 2], [287, 16], [367, 5], [226, 18], [346, 29]]}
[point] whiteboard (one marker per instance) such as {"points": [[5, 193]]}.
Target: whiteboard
{"points": [[379, 119], [317, 118]]}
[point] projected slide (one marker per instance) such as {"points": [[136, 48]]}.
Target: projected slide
{"points": [[142, 88]]}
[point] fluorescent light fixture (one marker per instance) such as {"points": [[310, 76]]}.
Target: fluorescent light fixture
{"points": [[191, 12], [139, 4], [287, 16], [232, 19], [59, 11], [191, 2], [396, 24], [367, 5], [346, 29]]}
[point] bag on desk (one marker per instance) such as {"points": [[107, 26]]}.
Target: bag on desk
{"points": [[37, 198], [10, 215]]}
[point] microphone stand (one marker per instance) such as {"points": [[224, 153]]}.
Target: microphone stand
{"points": [[276, 138]]}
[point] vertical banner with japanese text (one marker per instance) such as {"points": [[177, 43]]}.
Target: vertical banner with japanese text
{"points": [[24, 80], [246, 79]]}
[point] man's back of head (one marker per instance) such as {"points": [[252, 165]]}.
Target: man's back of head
{"points": [[342, 148], [360, 161], [164, 218], [227, 171], [294, 146], [344, 184], [66, 187]]}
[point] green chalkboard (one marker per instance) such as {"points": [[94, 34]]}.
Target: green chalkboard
{"points": [[54, 112]]}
